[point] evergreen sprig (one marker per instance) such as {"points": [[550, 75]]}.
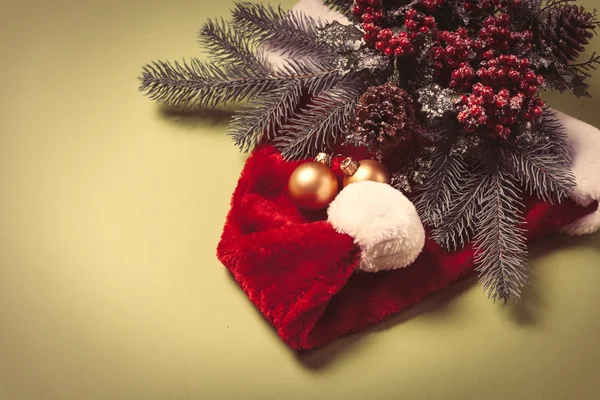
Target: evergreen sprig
{"points": [[457, 225], [316, 127], [500, 245], [228, 46], [540, 170], [442, 184], [290, 32]]}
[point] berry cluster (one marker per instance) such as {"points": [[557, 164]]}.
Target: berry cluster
{"points": [[506, 87], [370, 14], [391, 45], [419, 23], [497, 35], [452, 50]]}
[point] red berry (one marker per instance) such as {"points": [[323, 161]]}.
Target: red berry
{"points": [[501, 102], [411, 25], [381, 45], [504, 93], [388, 51], [531, 77], [463, 32], [429, 21], [489, 21], [369, 28], [537, 112], [411, 13], [503, 20], [368, 18], [394, 42], [398, 51], [488, 55], [357, 10], [514, 76], [385, 34], [405, 43]]}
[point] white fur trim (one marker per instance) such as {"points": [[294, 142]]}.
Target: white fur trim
{"points": [[382, 221], [585, 140]]}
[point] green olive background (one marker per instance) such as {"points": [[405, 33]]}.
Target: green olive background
{"points": [[110, 212]]}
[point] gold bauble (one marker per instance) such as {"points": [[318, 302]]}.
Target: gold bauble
{"points": [[369, 170], [313, 186]]}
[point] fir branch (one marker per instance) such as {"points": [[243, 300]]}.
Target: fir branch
{"points": [[551, 128], [442, 185], [259, 122], [194, 82], [456, 226], [540, 170], [291, 33], [227, 46], [319, 125], [184, 84], [342, 6], [500, 246]]}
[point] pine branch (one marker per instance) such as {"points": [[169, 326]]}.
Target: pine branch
{"points": [[540, 170], [551, 128], [184, 84], [500, 246], [442, 185], [319, 125], [292, 33], [260, 121], [455, 229], [342, 6], [227, 46]]}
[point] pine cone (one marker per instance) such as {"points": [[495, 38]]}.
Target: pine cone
{"points": [[385, 116], [566, 30]]}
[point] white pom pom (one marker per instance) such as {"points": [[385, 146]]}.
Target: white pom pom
{"points": [[383, 223]]}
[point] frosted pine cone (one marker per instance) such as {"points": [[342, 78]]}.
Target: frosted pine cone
{"points": [[566, 30], [385, 117]]}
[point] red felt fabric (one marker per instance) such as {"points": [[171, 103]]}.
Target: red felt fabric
{"points": [[300, 273]]}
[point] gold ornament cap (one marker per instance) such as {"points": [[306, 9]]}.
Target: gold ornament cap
{"points": [[324, 158], [349, 166]]}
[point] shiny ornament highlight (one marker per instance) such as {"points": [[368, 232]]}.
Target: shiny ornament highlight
{"points": [[313, 186], [369, 170]]}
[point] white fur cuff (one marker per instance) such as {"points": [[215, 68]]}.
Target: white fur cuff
{"points": [[382, 221], [585, 141]]}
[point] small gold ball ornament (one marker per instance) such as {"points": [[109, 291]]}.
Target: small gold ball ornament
{"points": [[367, 170], [313, 185]]}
